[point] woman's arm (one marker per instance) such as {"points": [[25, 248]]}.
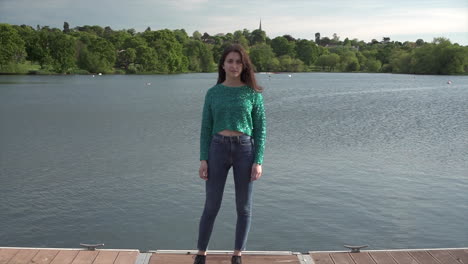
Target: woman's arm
{"points": [[206, 128], [259, 127]]}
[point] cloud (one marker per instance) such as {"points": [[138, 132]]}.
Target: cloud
{"points": [[423, 21], [362, 19], [184, 5]]}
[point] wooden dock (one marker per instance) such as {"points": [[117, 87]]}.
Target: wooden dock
{"points": [[64, 256], [11, 255]]}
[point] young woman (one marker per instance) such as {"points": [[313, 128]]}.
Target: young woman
{"points": [[232, 135]]}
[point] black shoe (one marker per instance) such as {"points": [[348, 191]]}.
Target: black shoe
{"points": [[236, 260], [199, 259]]}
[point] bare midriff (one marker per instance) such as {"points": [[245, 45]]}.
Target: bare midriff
{"points": [[230, 133]]}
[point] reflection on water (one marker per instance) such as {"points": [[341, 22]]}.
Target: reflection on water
{"points": [[374, 159]]}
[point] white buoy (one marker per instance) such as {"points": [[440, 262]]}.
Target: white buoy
{"points": [[449, 82], [148, 83], [289, 75], [100, 73], [93, 75]]}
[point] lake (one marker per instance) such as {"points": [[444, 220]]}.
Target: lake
{"points": [[377, 159]]}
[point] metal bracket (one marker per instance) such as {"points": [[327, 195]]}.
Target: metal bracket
{"points": [[355, 249], [91, 246]]}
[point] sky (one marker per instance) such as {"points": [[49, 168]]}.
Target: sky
{"points": [[401, 20]]}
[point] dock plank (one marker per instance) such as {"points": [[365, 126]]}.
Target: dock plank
{"points": [[85, 257], [170, 259], [44, 256], [291, 259], [423, 257], [223, 259], [444, 256], [362, 258], [402, 257], [382, 257], [461, 255], [23, 256], [126, 257], [321, 258], [65, 257], [106, 257], [342, 258], [6, 254], [143, 258]]}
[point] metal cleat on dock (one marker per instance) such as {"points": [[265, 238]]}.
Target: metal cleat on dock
{"points": [[355, 249], [91, 246]]}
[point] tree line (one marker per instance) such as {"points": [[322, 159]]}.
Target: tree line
{"points": [[93, 49]]}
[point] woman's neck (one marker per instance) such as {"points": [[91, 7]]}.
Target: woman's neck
{"points": [[233, 82]]}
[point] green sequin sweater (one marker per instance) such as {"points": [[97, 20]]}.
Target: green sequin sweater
{"points": [[233, 108]]}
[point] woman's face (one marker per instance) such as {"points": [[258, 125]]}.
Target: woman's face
{"points": [[233, 65]]}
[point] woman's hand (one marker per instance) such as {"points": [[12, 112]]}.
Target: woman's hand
{"points": [[203, 171], [256, 172]]}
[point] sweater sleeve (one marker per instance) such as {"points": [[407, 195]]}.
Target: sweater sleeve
{"points": [[259, 127], [206, 128]]}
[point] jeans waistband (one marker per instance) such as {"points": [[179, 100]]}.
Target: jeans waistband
{"points": [[232, 138]]}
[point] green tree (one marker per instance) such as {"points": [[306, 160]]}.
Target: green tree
{"points": [[11, 46], [307, 51], [98, 56], [196, 35], [62, 52], [262, 57], [325, 41], [117, 38], [281, 46], [239, 37], [447, 58], [289, 64], [257, 36], [329, 61], [317, 38], [170, 52], [420, 42], [383, 53], [349, 62], [30, 38], [335, 40], [146, 58], [423, 60], [107, 32], [373, 65], [131, 31], [365, 55], [400, 61], [125, 58], [346, 42], [453, 59], [66, 28], [289, 38], [199, 56], [205, 37], [181, 36], [246, 34], [96, 30], [43, 49]]}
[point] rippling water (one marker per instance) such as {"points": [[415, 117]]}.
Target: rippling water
{"points": [[374, 159]]}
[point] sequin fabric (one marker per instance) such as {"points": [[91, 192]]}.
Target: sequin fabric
{"points": [[233, 108]]}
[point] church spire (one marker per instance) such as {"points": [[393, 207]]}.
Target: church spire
{"points": [[260, 25]]}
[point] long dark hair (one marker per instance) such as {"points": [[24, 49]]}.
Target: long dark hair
{"points": [[247, 75]]}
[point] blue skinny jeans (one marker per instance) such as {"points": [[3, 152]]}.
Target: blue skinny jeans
{"points": [[226, 152]]}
